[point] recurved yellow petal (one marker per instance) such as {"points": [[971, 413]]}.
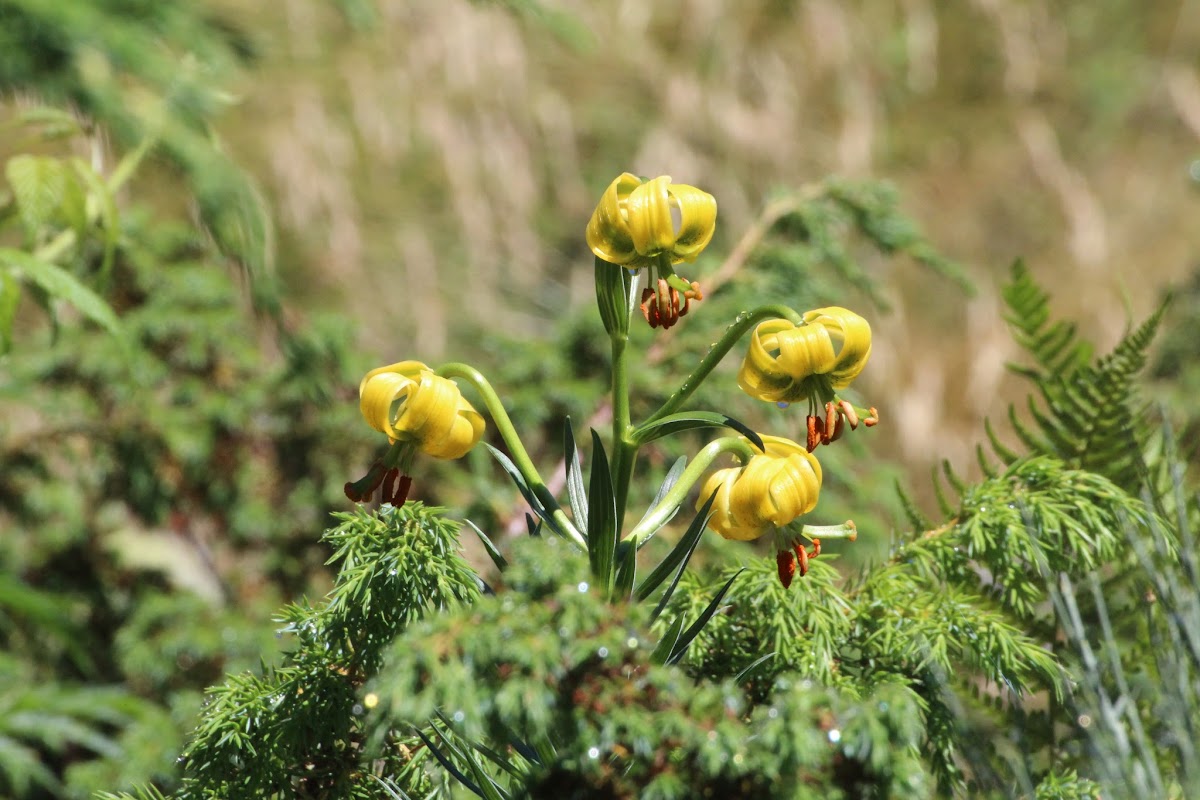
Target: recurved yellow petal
{"points": [[410, 403], [772, 489], [633, 224]]}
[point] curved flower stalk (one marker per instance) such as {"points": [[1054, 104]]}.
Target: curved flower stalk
{"points": [[418, 410], [768, 493], [787, 363], [657, 225]]}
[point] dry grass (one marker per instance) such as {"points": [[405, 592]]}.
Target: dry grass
{"points": [[441, 167]]}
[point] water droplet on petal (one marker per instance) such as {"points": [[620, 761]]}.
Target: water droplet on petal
{"points": [[782, 404], [631, 272]]}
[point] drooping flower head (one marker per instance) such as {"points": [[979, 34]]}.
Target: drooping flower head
{"points": [[769, 493], [787, 363], [419, 410], [654, 224], [410, 403], [771, 489]]}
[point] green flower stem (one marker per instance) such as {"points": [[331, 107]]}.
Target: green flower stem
{"points": [[844, 530], [744, 322], [658, 516], [624, 449], [508, 433]]}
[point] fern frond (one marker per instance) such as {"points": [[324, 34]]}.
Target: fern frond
{"points": [[1087, 411], [1054, 347]]}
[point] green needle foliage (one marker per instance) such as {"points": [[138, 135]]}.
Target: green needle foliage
{"points": [[295, 730]]}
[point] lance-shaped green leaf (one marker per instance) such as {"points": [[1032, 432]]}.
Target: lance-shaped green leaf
{"points": [[677, 560], [687, 637], [668, 482], [603, 528], [626, 570], [741, 676], [446, 763], [613, 293], [10, 298], [62, 285], [109, 216], [515, 474], [493, 552], [689, 420], [576, 494], [666, 645]]}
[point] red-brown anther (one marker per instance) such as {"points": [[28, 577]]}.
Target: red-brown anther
{"points": [[361, 490], [649, 309], [401, 495], [786, 562], [872, 420], [816, 430], [834, 424], [816, 551], [389, 485]]}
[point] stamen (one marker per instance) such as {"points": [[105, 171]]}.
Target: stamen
{"points": [[816, 429], [401, 496], [850, 414], [786, 563], [802, 557]]}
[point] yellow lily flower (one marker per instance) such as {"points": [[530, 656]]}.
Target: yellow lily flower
{"points": [[787, 362], [410, 403], [771, 489], [633, 226]]}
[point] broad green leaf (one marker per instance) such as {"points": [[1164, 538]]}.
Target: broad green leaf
{"points": [[62, 285], [602, 526], [57, 124], [688, 420], [40, 186]]}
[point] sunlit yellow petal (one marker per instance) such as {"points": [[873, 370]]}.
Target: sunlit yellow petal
{"points": [[782, 358], [772, 489], [633, 223], [648, 212], [698, 220], [410, 403], [608, 233], [852, 334]]}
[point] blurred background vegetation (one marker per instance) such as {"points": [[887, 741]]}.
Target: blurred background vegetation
{"points": [[332, 185]]}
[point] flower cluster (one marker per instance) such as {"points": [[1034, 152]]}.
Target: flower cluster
{"points": [[654, 225]]}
